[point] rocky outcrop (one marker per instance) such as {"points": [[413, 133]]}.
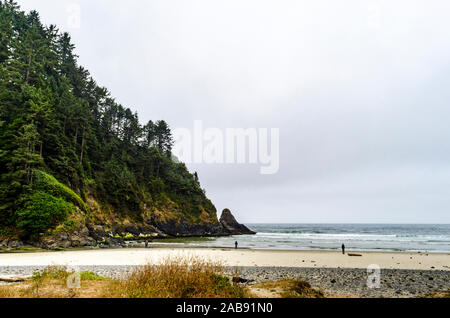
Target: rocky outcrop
{"points": [[11, 244], [232, 226], [79, 238]]}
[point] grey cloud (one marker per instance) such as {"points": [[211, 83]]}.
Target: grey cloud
{"points": [[358, 90]]}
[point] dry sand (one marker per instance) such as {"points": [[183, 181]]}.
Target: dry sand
{"points": [[228, 257]]}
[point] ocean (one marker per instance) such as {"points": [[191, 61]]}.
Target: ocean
{"points": [[356, 237]]}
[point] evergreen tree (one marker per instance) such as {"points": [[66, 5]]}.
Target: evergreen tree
{"points": [[164, 139]]}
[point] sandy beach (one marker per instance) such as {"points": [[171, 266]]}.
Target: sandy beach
{"points": [[230, 257]]}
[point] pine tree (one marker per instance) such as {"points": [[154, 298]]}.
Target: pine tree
{"points": [[149, 134], [164, 139]]}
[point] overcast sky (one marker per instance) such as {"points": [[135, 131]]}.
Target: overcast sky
{"points": [[359, 90]]}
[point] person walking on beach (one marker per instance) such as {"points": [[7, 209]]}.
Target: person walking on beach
{"points": [[343, 248], [236, 245]]}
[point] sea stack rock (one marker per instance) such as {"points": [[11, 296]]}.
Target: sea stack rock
{"points": [[230, 224]]}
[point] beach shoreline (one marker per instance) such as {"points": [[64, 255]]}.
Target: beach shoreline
{"points": [[232, 257]]}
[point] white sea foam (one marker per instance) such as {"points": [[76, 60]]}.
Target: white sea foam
{"points": [[430, 238]]}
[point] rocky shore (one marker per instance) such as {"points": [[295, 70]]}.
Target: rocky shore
{"points": [[339, 282], [334, 282], [92, 235]]}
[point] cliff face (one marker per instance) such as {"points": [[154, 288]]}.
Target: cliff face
{"points": [[95, 222]]}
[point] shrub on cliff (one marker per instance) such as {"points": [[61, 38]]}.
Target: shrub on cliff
{"points": [[42, 211], [48, 183]]}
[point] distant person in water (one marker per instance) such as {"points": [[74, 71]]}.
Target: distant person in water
{"points": [[343, 249], [236, 245]]}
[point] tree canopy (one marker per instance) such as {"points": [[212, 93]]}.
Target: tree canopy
{"points": [[55, 119]]}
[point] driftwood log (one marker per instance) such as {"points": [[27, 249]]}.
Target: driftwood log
{"points": [[13, 279]]}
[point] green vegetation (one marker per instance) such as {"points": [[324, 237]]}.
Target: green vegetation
{"points": [[63, 273], [42, 211], [182, 240], [90, 276], [64, 140], [51, 273], [48, 183]]}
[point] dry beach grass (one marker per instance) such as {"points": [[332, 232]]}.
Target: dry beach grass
{"points": [[174, 278], [177, 278]]}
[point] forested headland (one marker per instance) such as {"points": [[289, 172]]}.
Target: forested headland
{"points": [[74, 163]]}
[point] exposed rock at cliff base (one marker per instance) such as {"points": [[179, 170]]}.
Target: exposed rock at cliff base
{"points": [[116, 234], [232, 226]]}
